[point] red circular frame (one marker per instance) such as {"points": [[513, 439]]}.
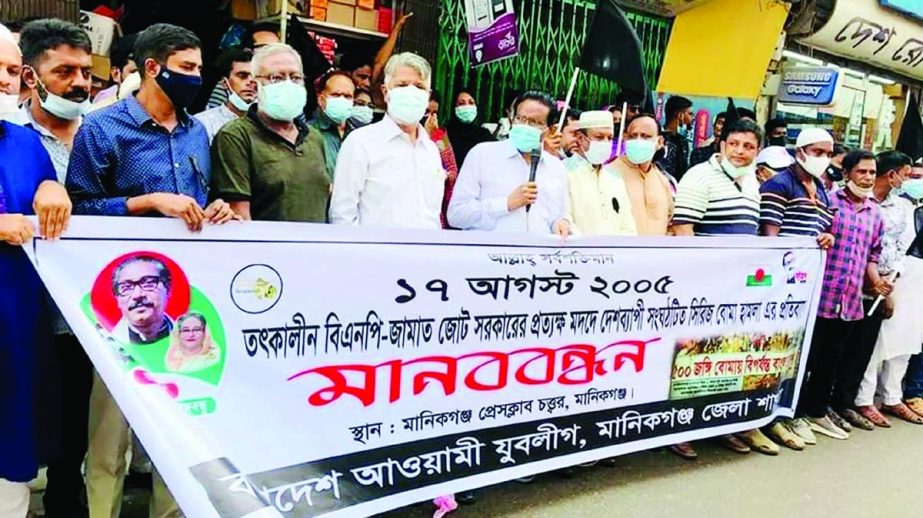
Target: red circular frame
{"points": [[104, 302]]}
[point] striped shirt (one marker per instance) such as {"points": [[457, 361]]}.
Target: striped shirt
{"points": [[785, 203], [716, 204]]}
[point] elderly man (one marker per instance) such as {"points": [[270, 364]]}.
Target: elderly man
{"points": [[141, 286], [598, 202], [270, 164], [772, 161], [650, 190], [494, 191], [237, 77], [335, 93], [142, 156], [389, 174], [57, 71]]}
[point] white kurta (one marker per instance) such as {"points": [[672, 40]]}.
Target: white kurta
{"points": [[902, 334], [598, 203]]}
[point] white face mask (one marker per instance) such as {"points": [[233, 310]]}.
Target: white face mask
{"points": [[9, 103], [61, 107], [237, 101], [816, 166], [861, 192], [599, 151], [734, 171]]}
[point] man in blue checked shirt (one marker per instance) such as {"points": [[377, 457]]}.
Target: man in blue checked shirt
{"points": [[142, 156]]}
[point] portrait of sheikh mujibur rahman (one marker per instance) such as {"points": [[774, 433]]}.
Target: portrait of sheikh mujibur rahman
{"points": [[141, 286]]}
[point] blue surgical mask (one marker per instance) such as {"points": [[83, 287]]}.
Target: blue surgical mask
{"points": [[734, 171], [640, 151], [466, 113], [526, 138], [338, 109], [238, 101], [282, 101], [912, 188], [362, 115], [599, 151]]}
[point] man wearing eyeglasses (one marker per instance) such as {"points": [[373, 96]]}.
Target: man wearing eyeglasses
{"points": [[142, 289], [270, 164], [494, 190]]}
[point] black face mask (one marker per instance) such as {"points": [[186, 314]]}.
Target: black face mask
{"points": [[180, 88], [835, 173], [777, 141]]}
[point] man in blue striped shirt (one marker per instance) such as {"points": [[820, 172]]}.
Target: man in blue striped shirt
{"points": [[794, 202]]}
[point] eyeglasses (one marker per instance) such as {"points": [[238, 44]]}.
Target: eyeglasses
{"points": [[191, 330], [278, 78], [535, 123], [147, 283]]}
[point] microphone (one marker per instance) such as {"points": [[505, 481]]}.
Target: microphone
{"points": [[533, 167]]}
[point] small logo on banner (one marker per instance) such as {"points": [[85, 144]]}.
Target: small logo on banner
{"points": [[760, 278], [256, 289]]}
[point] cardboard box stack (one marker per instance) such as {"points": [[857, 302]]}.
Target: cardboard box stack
{"points": [[102, 31], [360, 14]]}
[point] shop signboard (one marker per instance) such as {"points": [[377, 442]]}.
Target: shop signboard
{"points": [[864, 31], [492, 31], [815, 86]]}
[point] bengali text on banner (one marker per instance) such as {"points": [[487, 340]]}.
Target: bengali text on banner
{"points": [[291, 370]]}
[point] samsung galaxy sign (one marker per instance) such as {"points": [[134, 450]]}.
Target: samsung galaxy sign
{"points": [[814, 86]]}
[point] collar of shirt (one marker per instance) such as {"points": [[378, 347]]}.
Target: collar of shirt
{"points": [[391, 130], [867, 203], [142, 117], [31, 123], [323, 122], [300, 125]]}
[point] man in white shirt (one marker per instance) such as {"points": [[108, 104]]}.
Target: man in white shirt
{"points": [[389, 174], [237, 76], [493, 191], [597, 199]]}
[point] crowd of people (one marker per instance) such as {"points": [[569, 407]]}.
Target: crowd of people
{"points": [[134, 150]]}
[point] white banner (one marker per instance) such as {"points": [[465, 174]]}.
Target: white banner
{"points": [[307, 370]]}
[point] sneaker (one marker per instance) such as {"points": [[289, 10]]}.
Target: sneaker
{"points": [[841, 423], [802, 428], [857, 420], [782, 435], [759, 442], [824, 426]]}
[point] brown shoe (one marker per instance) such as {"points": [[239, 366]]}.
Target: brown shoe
{"points": [[734, 444], [872, 414], [915, 404], [857, 420], [684, 450], [901, 411]]}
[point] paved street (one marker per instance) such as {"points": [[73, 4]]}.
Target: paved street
{"points": [[874, 474]]}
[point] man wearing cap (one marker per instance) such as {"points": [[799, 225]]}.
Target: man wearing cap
{"points": [[597, 201], [795, 203], [772, 161]]}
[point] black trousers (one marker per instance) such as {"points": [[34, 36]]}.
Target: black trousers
{"points": [[856, 357], [65, 482], [830, 338]]}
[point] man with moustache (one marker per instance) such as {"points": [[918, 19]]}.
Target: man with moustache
{"points": [[142, 289], [57, 66]]}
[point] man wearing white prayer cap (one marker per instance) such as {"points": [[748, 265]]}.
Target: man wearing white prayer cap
{"points": [[597, 200], [10, 68]]}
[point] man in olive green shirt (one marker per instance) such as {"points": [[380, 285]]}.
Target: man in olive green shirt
{"points": [[269, 165]]}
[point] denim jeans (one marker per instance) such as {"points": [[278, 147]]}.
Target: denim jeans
{"points": [[913, 381]]}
